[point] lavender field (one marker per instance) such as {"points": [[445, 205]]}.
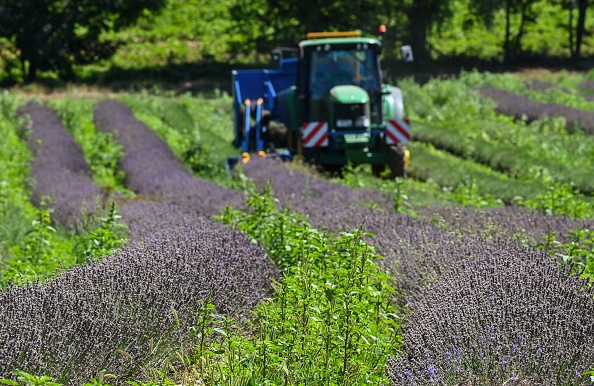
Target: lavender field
{"points": [[472, 291]]}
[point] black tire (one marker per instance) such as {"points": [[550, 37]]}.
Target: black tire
{"points": [[397, 162], [377, 169], [276, 134], [332, 170]]}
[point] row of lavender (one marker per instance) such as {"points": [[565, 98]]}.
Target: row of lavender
{"points": [[482, 307], [519, 106], [134, 306]]}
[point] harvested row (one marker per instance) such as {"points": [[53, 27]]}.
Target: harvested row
{"points": [[59, 168], [425, 259], [153, 170], [517, 106], [134, 307], [131, 309], [506, 158]]}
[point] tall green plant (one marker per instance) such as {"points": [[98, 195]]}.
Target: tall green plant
{"points": [[331, 320], [108, 236]]}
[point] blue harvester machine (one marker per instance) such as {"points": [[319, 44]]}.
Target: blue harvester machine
{"points": [[253, 92]]}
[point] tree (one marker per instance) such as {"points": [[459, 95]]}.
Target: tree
{"points": [[422, 15], [286, 22], [57, 34], [576, 37]]}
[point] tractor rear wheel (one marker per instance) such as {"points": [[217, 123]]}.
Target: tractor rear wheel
{"points": [[397, 161]]}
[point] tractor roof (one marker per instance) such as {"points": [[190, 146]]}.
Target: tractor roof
{"points": [[342, 37]]}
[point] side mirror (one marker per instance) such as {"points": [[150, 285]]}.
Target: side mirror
{"points": [[407, 53], [276, 56]]}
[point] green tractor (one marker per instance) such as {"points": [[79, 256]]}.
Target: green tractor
{"points": [[328, 105]]}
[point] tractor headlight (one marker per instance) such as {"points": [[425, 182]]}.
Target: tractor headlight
{"points": [[363, 122], [344, 123]]}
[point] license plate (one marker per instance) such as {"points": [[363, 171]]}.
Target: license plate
{"points": [[356, 138]]}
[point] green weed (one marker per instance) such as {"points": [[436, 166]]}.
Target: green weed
{"points": [[330, 322], [108, 236]]}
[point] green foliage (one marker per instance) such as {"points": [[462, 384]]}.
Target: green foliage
{"points": [[70, 32], [108, 236], [330, 322], [578, 251], [42, 250], [26, 379], [102, 151], [561, 199], [407, 193], [467, 194], [450, 115], [38, 246], [451, 173], [14, 174]]}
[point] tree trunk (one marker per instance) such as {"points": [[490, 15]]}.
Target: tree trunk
{"points": [[419, 22], [518, 39], [31, 75], [571, 37], [506, 48], [580, 28]]}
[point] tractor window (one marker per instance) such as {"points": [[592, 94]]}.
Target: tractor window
{"points": [[341, 67]]}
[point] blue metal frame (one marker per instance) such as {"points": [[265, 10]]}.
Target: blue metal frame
{"points": [[256, 85]]}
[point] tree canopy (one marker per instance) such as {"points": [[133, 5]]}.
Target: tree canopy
{"points": [[55, 35]]}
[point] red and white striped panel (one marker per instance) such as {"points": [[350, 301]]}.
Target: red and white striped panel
{"points": [[397, 131], [315, 134]]}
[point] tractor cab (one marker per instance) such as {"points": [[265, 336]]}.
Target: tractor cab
{"points": [[341, 80], [328, 105]]}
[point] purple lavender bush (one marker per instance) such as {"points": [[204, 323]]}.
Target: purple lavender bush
{"points": [[514, 222], [59, 169], [145, 218], [153, 170], [132, 309], [503, 315]]}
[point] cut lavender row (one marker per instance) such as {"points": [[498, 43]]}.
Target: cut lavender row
{"points": [[153, 170], [116, 314], [59, 169], [517, 106], [507, 315]]}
